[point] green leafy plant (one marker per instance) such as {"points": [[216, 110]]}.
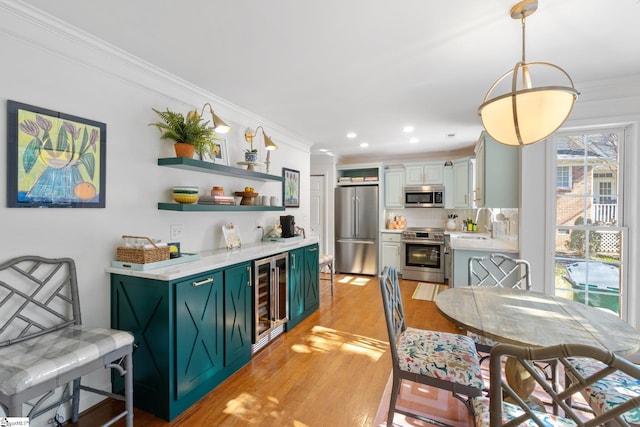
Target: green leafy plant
{"points": [[577, 239], [192, 130]]}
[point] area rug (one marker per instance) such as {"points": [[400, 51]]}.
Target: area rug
{"points": [[428, 291]]}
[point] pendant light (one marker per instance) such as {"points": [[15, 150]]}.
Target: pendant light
{"points": [[527, 114]]}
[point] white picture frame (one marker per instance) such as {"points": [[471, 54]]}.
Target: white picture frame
{"points": [[221, 156]]}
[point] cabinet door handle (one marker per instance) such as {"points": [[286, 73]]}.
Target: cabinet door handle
{"points": [[313, 249], [293, 261], [202, 282], [249, 274]]}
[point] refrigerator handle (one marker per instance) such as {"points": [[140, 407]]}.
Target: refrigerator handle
{"points": [[353, 216], [366, 242], [357, 216]]}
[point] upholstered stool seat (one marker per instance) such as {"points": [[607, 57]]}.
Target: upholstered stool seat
{"points": [[326, 260]]}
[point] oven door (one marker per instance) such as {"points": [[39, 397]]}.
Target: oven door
{"points": [[423, 260]]}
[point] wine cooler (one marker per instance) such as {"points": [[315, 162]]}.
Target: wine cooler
{"points": [[271, 299]]}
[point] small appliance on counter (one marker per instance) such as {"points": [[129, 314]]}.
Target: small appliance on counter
{"points": [[288, 225]]}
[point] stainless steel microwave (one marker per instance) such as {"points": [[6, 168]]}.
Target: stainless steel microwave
{"points": [[424, 196]]}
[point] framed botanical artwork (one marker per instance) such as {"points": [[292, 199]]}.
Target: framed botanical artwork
{"points": [[219, 154], [54, 160], [291, 188]]}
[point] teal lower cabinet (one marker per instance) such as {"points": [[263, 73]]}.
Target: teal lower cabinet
{"points": [[198, 337], [238, 311], [304, 281], [190, 334]]}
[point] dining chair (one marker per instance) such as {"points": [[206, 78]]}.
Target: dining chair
{"points": [[44, 346], [506, 405], [496, 270], [438, 359], [499, 270]]}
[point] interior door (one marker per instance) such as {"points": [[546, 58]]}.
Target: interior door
{"points": [[317, 214]]}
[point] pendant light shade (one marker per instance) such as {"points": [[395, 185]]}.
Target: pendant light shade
{"points": [[526, 114]]}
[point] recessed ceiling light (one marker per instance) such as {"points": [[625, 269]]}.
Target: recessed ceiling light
{"points": [[414, 140], [407, 129], [364, 144], [451, 135], [351, 135], [323, 150]]}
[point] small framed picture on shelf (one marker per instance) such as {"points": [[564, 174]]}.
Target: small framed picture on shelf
{"points": [[291, 188], [219, 154]]}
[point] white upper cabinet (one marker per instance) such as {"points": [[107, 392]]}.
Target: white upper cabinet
{"points": [[462, 183], [424, 173], [497, 174], [394, 188]]}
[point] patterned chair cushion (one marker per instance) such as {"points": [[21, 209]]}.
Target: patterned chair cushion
{"points": [[480, 339], [608, 392], [440, 355], [33, 361], [510, 412]]}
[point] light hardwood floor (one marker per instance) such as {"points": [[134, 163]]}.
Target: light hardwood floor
{"points": [[330, 370]]}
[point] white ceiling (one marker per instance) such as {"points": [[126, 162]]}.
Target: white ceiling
{"points": [[323, 68]]}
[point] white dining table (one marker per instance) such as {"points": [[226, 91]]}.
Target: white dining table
{"points": [[535, 319]]}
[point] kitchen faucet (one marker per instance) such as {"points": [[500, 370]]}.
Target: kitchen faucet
{"points": [[486, 228]]}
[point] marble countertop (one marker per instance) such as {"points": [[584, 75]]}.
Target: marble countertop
{"points": [[481, 242], [210, 260]]}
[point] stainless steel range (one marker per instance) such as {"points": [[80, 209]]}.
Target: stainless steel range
{"points": [[423, 254]]}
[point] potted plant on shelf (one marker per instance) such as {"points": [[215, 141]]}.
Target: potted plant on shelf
{"points": [[191, 134], [251, 155]]}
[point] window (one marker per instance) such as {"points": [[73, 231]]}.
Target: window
{"points": [[588, 242], [563, 177]]}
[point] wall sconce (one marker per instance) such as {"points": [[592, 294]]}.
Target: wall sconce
{"points": [[269, 145], [218, 124], [527, 114]]}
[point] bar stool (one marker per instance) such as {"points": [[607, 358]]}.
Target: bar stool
{"points": [[327, 260]]}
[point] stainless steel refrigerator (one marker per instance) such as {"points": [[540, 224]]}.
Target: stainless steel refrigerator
{"points": [[356, 229]]}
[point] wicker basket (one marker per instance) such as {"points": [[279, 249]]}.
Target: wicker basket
{"points": [[142, 255]]}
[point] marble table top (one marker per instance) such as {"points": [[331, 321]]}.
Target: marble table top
{"points": [[534, 319]]}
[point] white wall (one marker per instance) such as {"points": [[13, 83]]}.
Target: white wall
{"points": [[606, 103], [49, 65]]}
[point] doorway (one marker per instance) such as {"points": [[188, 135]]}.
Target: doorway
{"points": [[318, 215]]}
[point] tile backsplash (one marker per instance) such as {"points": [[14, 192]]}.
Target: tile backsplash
{"points": [[437, 217]]}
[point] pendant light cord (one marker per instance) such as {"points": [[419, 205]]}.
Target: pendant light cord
{"points": [[523, 36]]}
